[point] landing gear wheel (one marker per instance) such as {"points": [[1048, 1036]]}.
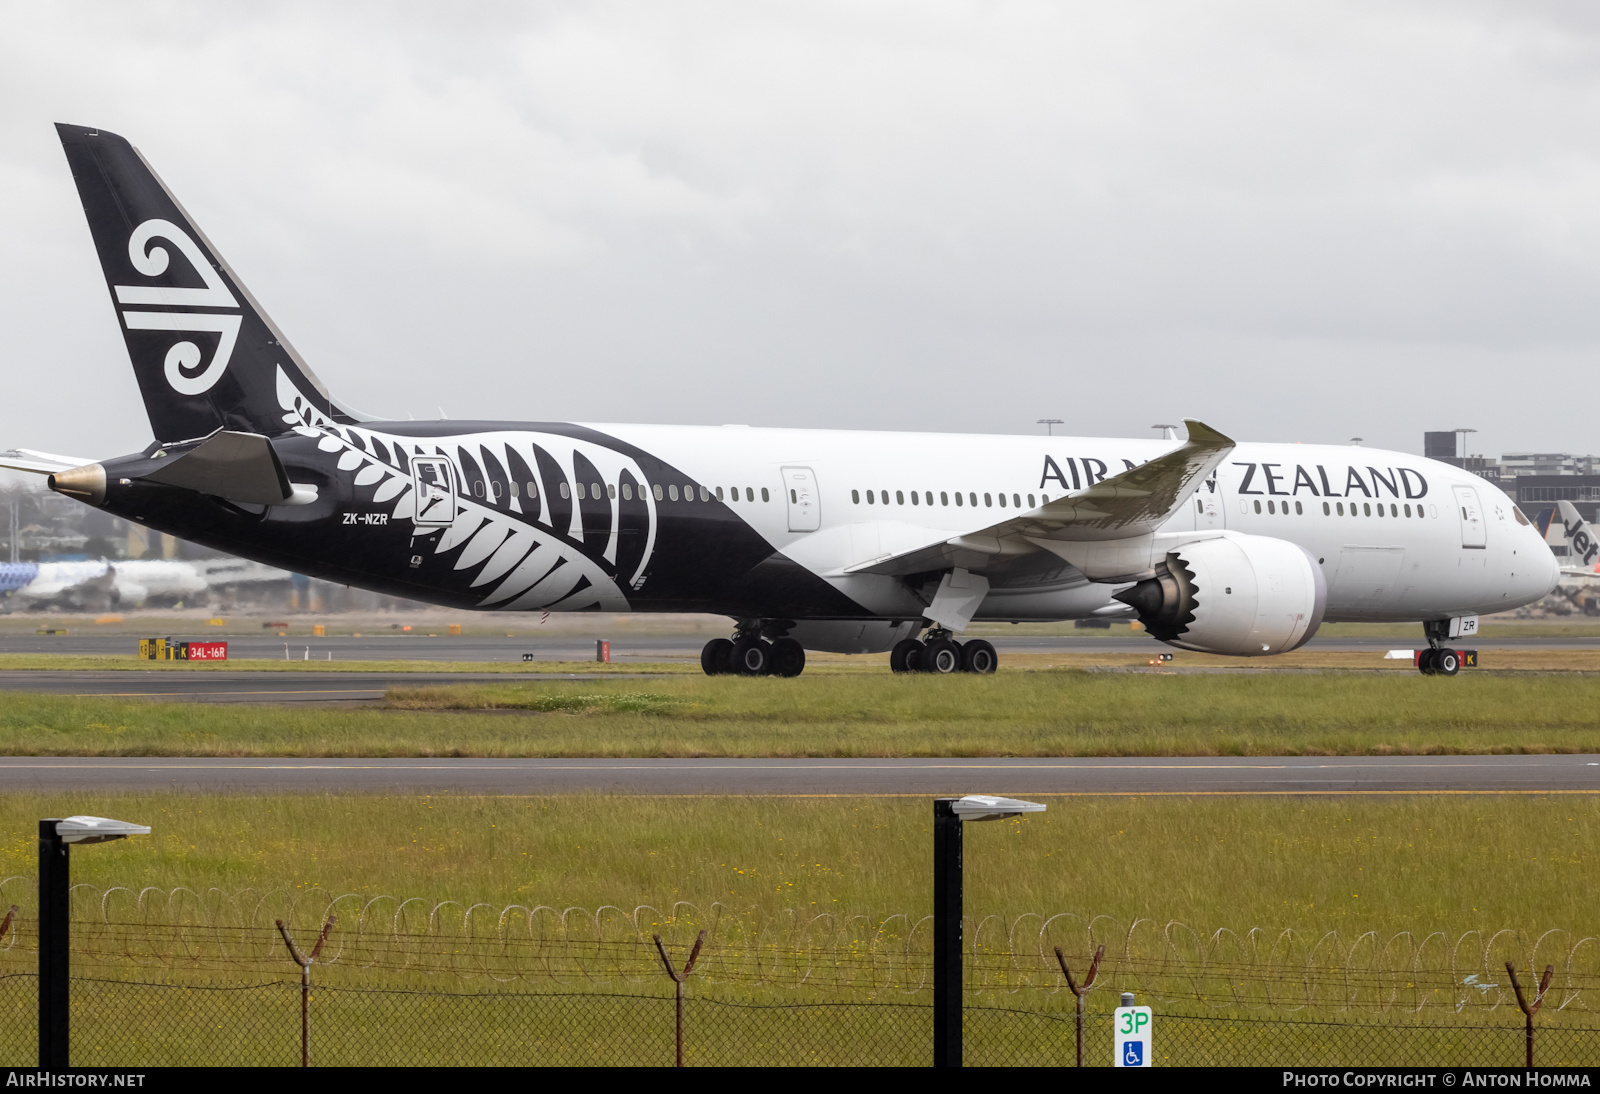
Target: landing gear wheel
{"points": [[940, 657], [715, 658], [978, 656], [788, 659], [751, 657], [1446, 662], [905, 655], [1425, 661]]}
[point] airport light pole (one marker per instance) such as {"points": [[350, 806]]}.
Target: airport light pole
{"points": [[56, 837], [1050, 425], [949, 814]]}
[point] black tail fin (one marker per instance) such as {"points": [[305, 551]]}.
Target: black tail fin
{"points": [[205, 354]]}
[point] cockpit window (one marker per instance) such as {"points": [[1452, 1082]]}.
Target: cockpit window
{"points": [[1518, 514]]}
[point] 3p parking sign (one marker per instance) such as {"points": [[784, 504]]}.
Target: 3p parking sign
{"points": [[1132, 1036]]}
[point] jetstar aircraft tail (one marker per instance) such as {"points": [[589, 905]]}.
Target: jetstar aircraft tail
{"points": [[206, 355], [1583, 548]]}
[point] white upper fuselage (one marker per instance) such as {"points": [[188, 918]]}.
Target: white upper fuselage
{"points": [[1399, 537]]}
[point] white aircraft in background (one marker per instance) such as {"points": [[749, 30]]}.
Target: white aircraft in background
{"points": [[807, 539], [100, 585]]}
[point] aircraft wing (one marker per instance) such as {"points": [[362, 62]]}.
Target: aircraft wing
{"points": [[39, 463], [1124, 506]]}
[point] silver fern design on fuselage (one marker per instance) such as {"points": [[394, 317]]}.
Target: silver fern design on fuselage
{"points": [[540, 520]]}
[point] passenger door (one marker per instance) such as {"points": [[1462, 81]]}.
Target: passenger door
{"points": [[1474, 530], [800, 491]]}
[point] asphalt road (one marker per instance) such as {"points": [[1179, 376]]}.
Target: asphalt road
{"points": [[929, 777], [422, 647]]}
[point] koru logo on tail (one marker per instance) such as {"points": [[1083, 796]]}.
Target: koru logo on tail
{"points": [[185, 369]]}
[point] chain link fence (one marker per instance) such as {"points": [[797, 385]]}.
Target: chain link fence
{"points": [[121, 1023]]}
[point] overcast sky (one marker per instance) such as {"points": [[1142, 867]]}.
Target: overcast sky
{"points": [[1295, 221]]}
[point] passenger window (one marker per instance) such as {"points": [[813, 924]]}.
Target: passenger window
{"points": [[1258, 507], [987, 502], [1394, 510], [1341, 508], [688, 492], [1367, 508], [855, 497], [958, 498], [1380, 508], [1044, 499], [1002, 501], [627, 492], [1016, 501], [595, 492], [792, 497], [915, 500], [750, 495], [1271, 507], [705, 495], [1030, 501], [494, 488], [533, 490], [1408, 509], [972, 498], [927, 495], [764, 495], [1199, 506], [719, 493], [567, 493], [658, 491], [899, 497], [1325, 509], [1298, 511], [672, 492], [514, 493], [579, 488], [869, 497], [944, 497]]}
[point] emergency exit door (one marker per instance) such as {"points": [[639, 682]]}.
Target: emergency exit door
{"points": [[800, 491]]}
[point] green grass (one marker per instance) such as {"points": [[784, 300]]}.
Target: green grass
{"points": [[806, 884], [1059, 713], [129, 663]]}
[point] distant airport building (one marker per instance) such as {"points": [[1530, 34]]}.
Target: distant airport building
{"points": [[1535, 480]]}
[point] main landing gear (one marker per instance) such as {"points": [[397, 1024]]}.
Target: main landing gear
{"points": [[941, 655], [748, 654]]}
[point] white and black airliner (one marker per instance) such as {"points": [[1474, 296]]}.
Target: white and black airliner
{"points": [[807, 539]]}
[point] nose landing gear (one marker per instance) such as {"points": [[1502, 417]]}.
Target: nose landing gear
{"points": [[1438, 659]]}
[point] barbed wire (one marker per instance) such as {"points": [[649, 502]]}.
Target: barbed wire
{"points": [[1280, 970]]}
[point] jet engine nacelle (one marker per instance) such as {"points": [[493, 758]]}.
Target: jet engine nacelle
{"points": [[1234, 594]]}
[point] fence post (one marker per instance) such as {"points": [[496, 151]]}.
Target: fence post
{"points": [[1538, 1001], [1088, 982], [678, 978], [55, 927], [947, 936], [305, 964]]}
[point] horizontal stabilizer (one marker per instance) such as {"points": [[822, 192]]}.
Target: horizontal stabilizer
{"points": [[1123, 507], [237, 466], [39, 463]]}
